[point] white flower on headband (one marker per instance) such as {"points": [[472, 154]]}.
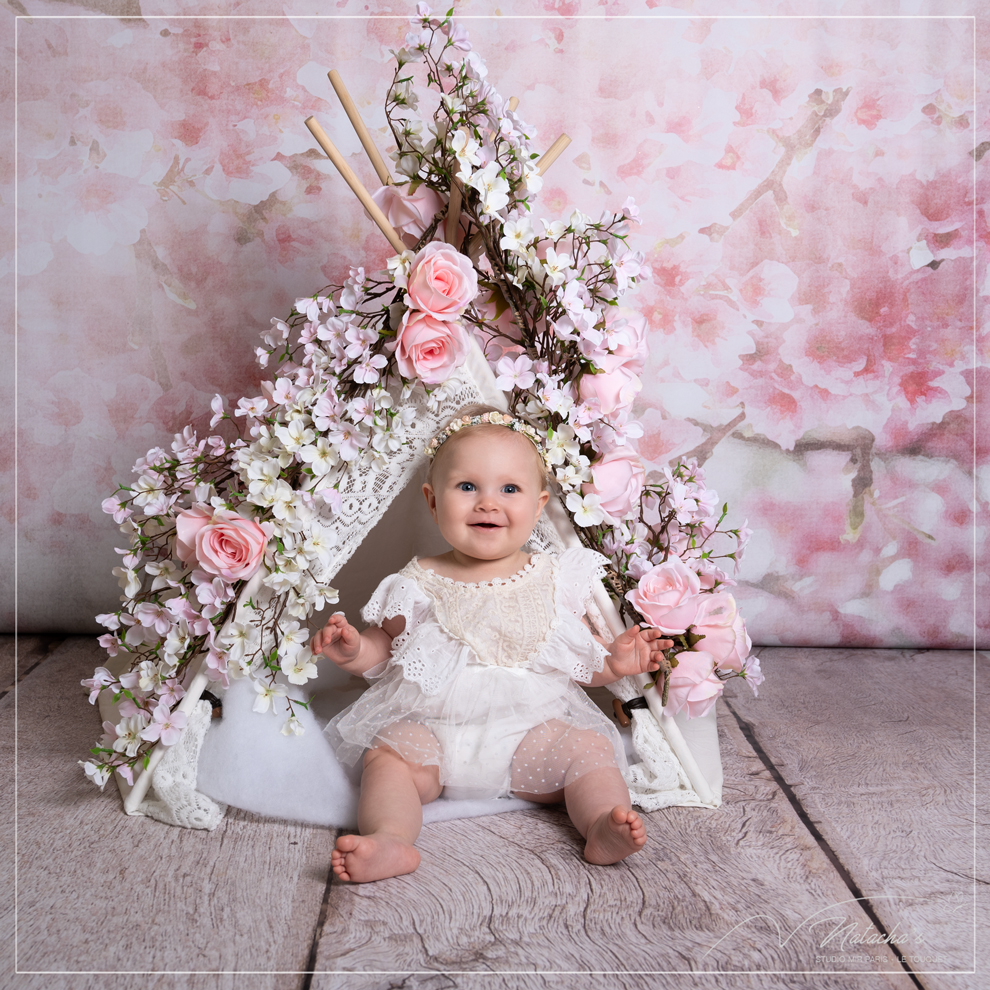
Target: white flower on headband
{"points": [[491, 419]]}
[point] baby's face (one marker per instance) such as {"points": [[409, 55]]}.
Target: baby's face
{"points": [[487, 494]]}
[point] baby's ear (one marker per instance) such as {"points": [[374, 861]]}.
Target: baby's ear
{"points": [[431, 500]]}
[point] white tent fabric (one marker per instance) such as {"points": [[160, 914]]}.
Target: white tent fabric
{"points": [[243, 759]]}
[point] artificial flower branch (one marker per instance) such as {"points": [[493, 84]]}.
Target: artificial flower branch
{"points": [[348, 175], [350, 108]]}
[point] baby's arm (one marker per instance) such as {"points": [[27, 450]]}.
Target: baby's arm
{"points": [[354, 651], [636, 651]]}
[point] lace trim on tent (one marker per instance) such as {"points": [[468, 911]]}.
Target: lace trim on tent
{"points": [[173, 797]]}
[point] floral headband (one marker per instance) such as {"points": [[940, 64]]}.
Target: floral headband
{"points": [[491, 419]]}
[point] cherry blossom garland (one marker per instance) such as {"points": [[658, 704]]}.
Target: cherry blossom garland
{"points": [[543, 298]]}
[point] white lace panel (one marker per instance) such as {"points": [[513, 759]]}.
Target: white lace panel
{"points": [[545, 536], [366, 492], [505, 622], [174, 798]]}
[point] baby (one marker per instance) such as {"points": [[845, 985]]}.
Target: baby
{"points": [[474, 657]]}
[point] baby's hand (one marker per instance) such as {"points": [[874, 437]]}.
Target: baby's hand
{"points": [[338, 640], [637, 651]]}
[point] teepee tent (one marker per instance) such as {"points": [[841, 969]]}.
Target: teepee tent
{"points": [[288, 769], [676, 759]]}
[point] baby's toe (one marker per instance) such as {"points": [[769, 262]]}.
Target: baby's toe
{"points": [[346, 844]]}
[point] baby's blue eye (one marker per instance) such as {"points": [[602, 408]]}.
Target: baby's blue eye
{"points": [[466, 486], [510, 489]]}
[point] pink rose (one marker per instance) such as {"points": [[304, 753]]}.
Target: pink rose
{"points": [[409, 208], [618, 479], [632, 354], [726, 639], [187, 524], [667, 597], [614, 390], [428, 348], [441, 281], [694, 687], [221, 542]]}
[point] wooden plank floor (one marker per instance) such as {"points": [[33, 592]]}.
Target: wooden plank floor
{"points": [[893, 768], [848, 810]]}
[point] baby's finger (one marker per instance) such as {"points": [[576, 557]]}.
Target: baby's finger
{"points": [[657, 640], [654, 635], [629, 635]]}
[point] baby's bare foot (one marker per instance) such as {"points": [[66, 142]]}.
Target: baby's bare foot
{"points": [[361, 858], [617, 834]]}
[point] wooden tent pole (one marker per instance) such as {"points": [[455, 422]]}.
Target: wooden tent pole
{"points": [[453, 211], [552, 153], [513, 103], [350, 108], [355, 183]]}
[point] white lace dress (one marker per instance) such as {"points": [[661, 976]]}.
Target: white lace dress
{"points": [[481, 681]]}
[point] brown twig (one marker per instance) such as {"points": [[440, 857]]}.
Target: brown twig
{"points": [[706, 448], [801, 140]]}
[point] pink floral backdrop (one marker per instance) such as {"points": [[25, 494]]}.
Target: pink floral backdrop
{"points": [[812, 193]]}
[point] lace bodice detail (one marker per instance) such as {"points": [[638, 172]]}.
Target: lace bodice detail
{"points": [[507, 621], [528, 622]]}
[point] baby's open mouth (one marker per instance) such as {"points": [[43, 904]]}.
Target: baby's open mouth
{"points": [[486, 525]]}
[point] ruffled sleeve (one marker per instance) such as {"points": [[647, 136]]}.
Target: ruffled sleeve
{"points": [[396, 595], [578, 571], [416, 650], [572, 648]]}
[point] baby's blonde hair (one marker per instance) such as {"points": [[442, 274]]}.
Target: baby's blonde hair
{"points": [[478, 409]]}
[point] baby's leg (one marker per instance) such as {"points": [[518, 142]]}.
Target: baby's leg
{"points": [[598, 803], [593, 789], [390, 809]]}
